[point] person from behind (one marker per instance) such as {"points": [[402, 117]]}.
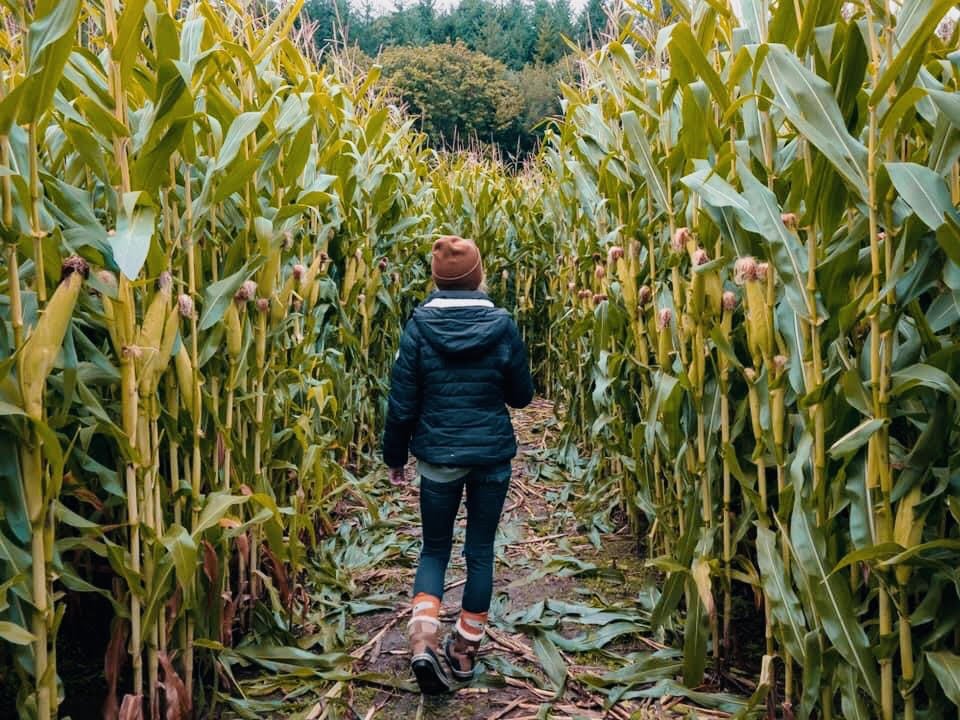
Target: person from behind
{"points": [[461, 363]]}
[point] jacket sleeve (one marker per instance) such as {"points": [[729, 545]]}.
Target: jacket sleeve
{"points": [[403, 405], [518, 384]]}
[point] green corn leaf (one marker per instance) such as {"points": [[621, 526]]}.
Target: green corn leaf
{"points": [[597, 639], [850, 443], [216, 507], [553, 664], [784, 603], [851, 697], [15, 634], [946, 668], [812, 674], [948, 103], [920, 20], [756, 19], [183, 552], [831, 595], [716, 191], [682, 39], [924, 191], [10, 107], [927, 376], [11, 484], [809, 103], [871, 554], [130, 243], [695, 633], [788, 255], [220, 294], [16, 557], [50, 41], [674, 586], [637, 138], [239, 130], [947, 546], [128, 37]]}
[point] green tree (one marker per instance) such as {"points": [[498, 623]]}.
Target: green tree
{"points": [[457, 94], [425, 19], [592, 21], [327, 17], [517, 34], [369, 30], [551, 22], [468, 20], [401, 25], [540, 89]]}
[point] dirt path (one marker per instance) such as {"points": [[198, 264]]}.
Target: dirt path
{"points": [[569, 635]]}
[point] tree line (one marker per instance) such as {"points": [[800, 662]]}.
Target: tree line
{"points": [[481, 70]]}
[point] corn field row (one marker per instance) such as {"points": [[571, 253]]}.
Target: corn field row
{"points": [[755, 274], [197, 324], [736, 260]]}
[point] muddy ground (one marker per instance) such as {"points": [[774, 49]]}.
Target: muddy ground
{"points": [[537, 528]]}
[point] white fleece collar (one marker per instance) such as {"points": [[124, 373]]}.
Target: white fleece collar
{"points": [[442, 302]]}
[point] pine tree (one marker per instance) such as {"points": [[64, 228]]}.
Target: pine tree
{"points": [[552, 22], [592, 22], [327, 14]]}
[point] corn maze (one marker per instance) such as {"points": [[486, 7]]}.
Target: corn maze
{"points": [[735, 260]]}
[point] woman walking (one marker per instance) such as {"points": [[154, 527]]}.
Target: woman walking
{"points": [[461, 361]]}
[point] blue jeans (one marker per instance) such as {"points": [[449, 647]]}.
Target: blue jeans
{"points": [[439, 503]]}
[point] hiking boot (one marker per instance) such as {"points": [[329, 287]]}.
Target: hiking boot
{"points": [[424, 649], [463, 644]]}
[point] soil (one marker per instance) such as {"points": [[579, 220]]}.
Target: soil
{"points": [[543, 555], [540, 528]]}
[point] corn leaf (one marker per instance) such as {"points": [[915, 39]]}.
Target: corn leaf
{"points": [[785, 605], [50, 41], [130, 243], [15, 634], [220, 294], [946, 668], [924, 191], [834, 605], [809, 103]]}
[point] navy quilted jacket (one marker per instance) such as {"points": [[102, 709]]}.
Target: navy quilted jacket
{"points": [[461, 361]]}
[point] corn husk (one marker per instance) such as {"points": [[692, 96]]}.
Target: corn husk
{"points": [[184, 367], [664, 347], [234, 331], [759, 336], [149, 339], [908, 529], [281, 302], [42, 347]]}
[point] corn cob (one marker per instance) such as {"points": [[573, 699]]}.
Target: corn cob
{"points": [[40, 350]]}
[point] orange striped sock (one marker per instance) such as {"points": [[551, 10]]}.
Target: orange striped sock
{"points": [[426, 608], [470, 625]]}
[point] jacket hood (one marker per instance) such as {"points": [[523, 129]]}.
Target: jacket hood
{"points": [[460, 322]]}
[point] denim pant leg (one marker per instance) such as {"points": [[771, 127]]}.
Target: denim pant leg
{"points": [[485, 497], [439, 503]]}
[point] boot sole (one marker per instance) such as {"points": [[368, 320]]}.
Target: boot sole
{"points": [[458, 674], [430, 674]]}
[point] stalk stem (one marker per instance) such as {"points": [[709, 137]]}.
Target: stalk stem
{"points": [[878, 465], [195, 474], [35, 200]]}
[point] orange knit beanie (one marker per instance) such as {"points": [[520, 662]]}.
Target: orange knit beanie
{"points": [[456, 264]]}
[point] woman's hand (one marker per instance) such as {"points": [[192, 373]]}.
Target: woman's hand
{"points": [[396, 476]]}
